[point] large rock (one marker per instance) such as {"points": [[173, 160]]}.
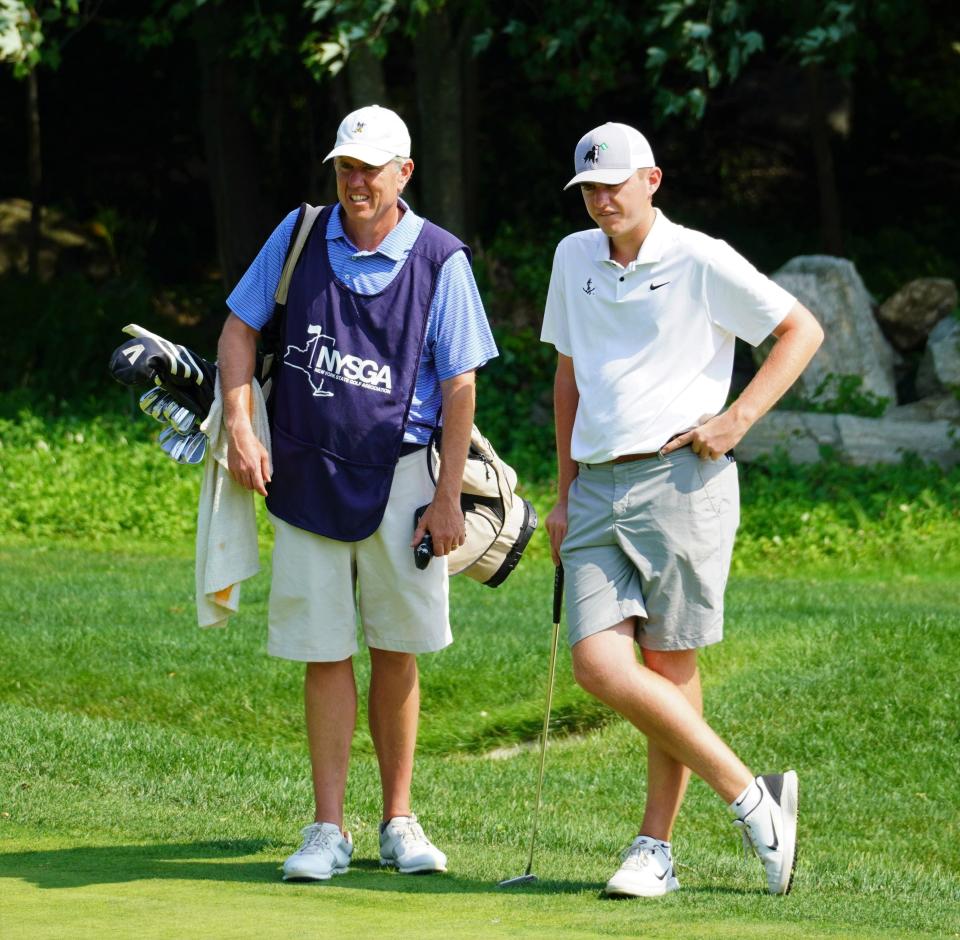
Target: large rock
{"points": [[855, 440], [911, 313], [931, 408], [853, 344], [940, 367]]}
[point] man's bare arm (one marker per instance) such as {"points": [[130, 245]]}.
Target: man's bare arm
{"points": [[566, 397], [798, 338], [444, 517], [247, 458]]}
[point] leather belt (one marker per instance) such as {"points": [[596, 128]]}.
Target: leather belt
{"points": [[630, 458]]}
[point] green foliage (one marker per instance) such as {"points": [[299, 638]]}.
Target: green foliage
{"points": [[33, 32], [515, 403], [59, 334], [839, 394], [104, 479], [837, 516], [97, 478]]}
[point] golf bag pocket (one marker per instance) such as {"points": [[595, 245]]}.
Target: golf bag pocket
{"points": [[499, 523]]}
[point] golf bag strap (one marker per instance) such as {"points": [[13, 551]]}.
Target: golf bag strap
{"points": [[310, 215]]}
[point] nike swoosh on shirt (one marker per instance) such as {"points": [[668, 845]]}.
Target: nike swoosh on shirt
{"points": [[658, 286]]}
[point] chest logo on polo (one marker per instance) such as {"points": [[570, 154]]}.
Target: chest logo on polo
{"points": [[319, 361], [588, 288]]}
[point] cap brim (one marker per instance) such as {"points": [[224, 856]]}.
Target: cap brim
{"points": [[607, 177], [372, 156]]}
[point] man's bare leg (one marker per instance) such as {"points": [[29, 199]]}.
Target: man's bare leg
{"points": [[394, 712], [667, 778], [330, 699], [606, 666]]}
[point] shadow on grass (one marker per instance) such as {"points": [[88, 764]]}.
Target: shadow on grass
{"points": [[81, 866]]}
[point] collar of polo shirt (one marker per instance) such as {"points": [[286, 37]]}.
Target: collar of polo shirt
{"points": [[390, 247], [652, 249]]}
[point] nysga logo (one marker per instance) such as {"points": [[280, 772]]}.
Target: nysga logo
{"points": [[319, 361]]}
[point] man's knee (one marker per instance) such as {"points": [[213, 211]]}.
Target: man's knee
{"points": [[391, 660], [679, 666], [590, 671]]}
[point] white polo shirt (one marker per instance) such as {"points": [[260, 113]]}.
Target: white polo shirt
{"points": [[652, 343]]}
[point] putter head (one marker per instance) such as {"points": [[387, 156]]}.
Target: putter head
{"points": [[519, 880]]}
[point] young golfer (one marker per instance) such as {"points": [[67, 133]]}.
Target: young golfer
{"points": [[643, 314], [383, 324]]}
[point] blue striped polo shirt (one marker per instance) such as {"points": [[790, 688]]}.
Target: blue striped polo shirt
{"points": [[458, 336]]}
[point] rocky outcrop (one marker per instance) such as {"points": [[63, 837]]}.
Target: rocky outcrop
{"points": [[853, 345], [860, 441], [911, 313], [940, 367]]}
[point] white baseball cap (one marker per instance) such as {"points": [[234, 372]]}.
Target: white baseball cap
{"points": [[372, 134], [609, 154]]}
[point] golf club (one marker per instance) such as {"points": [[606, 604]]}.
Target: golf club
{"points": [[528, 877]]}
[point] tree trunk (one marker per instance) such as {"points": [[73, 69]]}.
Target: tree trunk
{"points": [[831, 229], [365, 79], [35, 172], [437, 55], [242, 218]]}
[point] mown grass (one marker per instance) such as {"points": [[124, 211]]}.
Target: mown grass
{"points": [[153, 775]]}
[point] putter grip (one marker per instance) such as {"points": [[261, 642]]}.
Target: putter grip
{"points": [[557, 593]]}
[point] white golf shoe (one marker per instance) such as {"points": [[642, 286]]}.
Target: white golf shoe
{"points": [[767, 812], [325, 852], [646, 871], [404, 845]]}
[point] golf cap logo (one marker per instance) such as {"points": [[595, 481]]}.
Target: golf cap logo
{"points": [[359, 128], [593, 154], [319, 361]]}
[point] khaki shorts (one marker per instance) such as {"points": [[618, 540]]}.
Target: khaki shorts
{"points": [[316, 583], [651, 539]]}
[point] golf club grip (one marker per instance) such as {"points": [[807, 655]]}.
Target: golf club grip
{"points": [[557, 593]]}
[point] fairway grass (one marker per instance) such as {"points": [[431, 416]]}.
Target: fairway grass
{"points": [[153, 776]]}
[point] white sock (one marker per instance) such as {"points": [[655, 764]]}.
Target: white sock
{"points": [[747, 801]]}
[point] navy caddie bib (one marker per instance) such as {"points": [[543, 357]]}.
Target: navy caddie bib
{"points": [[343, 391]]}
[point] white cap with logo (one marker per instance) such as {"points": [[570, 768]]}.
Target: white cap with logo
{"points": [[372, 134], [609, 154]]}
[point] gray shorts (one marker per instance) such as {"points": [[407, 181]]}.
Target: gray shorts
{"points": [[651, 539]]}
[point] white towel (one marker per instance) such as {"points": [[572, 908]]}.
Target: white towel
{"points": [[226, 518]]}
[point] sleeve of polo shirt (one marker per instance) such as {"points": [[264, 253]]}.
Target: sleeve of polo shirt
{"points": [[252, 299], [740, 299], [463, 338], [556, 330]]}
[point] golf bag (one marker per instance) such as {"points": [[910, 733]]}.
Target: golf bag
{"points": [[499, 523]]}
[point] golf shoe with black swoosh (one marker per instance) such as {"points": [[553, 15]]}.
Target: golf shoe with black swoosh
{"points": [[646, 871], [767, 818]]}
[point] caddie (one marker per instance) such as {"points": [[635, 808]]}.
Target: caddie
{"points": [[384, 329], [644, 314]]}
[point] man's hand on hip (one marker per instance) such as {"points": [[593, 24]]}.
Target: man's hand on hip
{"points": [[443, 519], [712, 439]]}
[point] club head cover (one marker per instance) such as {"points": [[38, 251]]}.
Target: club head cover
{"points": [[149, 359]]}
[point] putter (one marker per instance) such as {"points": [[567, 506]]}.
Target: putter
{"points": [[528, 877]]}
